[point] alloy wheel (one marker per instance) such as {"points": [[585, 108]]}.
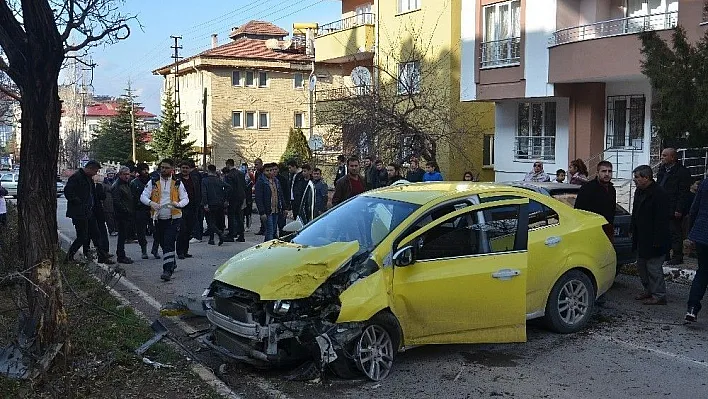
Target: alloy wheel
{"points": [[375, 352], [573, 301]]}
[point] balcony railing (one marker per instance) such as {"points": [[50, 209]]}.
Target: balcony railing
{"points": [[501, 52], [614, 27], [342, 93], [347, 23]]}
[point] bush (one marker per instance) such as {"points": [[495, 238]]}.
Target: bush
{"points": [[10, 259], [297, 148]]}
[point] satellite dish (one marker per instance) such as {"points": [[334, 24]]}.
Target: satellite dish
{"points": [[361, 76], [272, 44]]}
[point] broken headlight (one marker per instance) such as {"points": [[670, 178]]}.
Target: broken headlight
{"points": [[281, 307]]}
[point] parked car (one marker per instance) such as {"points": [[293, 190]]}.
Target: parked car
{"points": [[424, 263], [11, 180], [567, 193]]}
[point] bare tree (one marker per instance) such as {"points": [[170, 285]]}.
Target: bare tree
{"points": [[71, 149], [36, 37], [409, 108]]}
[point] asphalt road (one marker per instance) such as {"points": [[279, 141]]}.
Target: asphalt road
{"points": [[629, 350]]}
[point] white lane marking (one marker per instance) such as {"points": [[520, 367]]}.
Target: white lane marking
{"points": [[200, 370], [655, 351]]}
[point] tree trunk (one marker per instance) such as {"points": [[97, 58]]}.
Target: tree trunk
{"points": [[41, 110]]}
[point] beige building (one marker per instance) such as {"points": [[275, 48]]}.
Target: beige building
{"points": [[256, 90]]}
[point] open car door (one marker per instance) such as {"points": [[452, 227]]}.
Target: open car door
{"points": [[462, 277]]}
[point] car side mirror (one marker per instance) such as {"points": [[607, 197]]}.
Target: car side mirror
{"points": [[293, 227], [404, 256]]}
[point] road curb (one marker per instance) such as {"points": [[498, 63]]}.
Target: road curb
{"points": [[203, 372]]}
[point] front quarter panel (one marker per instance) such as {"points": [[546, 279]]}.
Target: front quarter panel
{"points": [[364, 298]]}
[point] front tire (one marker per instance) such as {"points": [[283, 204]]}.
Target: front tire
{"points": [[570, 303]]}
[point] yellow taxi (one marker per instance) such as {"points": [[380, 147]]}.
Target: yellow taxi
{"points": [[427, 263]]}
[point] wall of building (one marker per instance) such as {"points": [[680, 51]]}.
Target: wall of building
{"points": [[538, 28], [506, 167]]}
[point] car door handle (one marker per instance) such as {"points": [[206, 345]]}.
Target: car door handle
{"points": [[506, 274], [553, 241]]}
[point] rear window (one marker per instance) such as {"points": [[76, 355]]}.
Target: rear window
{"points": [[567, 198]]}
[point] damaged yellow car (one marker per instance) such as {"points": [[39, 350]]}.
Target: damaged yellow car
{"points": [[429, 263]]}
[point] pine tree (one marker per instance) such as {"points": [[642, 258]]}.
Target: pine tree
{"points": [[297, 148], [170, 140], [679, 76]]}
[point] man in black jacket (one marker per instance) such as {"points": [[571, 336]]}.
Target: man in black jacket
{"points": [[676, 181], [79, 193], [142, 211], [341, 168], [192, 185], [124, 206], [415, 172], [237, 200], [214, 197], [98, 231], [599, 196], [650, 234]]}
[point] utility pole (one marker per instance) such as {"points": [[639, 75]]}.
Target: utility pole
{"points": [[132, 119], [204, 126], [178, 121]]}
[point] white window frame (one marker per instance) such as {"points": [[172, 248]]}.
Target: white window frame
{"points": [[302, 119], [240, 118], [241, 78], [267, 115], [409, 77], [548, 133], [261, 84], [488, 138], [254, 79], [255, 122], [302, 80], [504, 48], [408, 5]]}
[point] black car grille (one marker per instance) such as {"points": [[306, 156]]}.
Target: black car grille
{"points": [[237, 303], [235, 310]]}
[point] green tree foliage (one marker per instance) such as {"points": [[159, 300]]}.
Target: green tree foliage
{"points": [[170, 140], [297, 147], [678, 72]]}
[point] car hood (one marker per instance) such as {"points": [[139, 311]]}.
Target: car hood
{"points": [[282, 270]]}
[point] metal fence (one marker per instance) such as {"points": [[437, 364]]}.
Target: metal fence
{"points": [[347, 23], [615, 27], [695, 160], [501, 52]]}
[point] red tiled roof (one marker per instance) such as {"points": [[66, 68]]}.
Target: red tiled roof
{"points": [[111, 109], [252, 48], [262, 28]]}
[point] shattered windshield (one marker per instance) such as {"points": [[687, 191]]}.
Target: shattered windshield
{"points": [[367, 220]]}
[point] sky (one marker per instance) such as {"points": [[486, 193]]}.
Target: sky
{"points": [[148, 48]]}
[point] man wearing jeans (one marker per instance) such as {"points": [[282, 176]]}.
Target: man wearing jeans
{"points": [[166, 196], [269, 200], [698, 217], [650, 234]]}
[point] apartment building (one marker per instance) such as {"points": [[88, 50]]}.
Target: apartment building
{"points": [[256, 91], [414, 47], [566, 79]]}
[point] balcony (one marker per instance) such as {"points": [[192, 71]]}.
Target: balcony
{"points": [[346, 40], [500, 53], [342, 93], [615, 27]]}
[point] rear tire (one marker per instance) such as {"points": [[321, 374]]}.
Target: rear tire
{"points": [[570, 303]]}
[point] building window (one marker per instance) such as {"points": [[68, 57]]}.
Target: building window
{"points": [[536, 131], [625, 121], [501, 44], [408, 5], [236, 119], [250, 120], [409, 77], [250, 78], [299, 117], [298, 81], [263, 120], [262, 79], [236, 78], [488, 151]]}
